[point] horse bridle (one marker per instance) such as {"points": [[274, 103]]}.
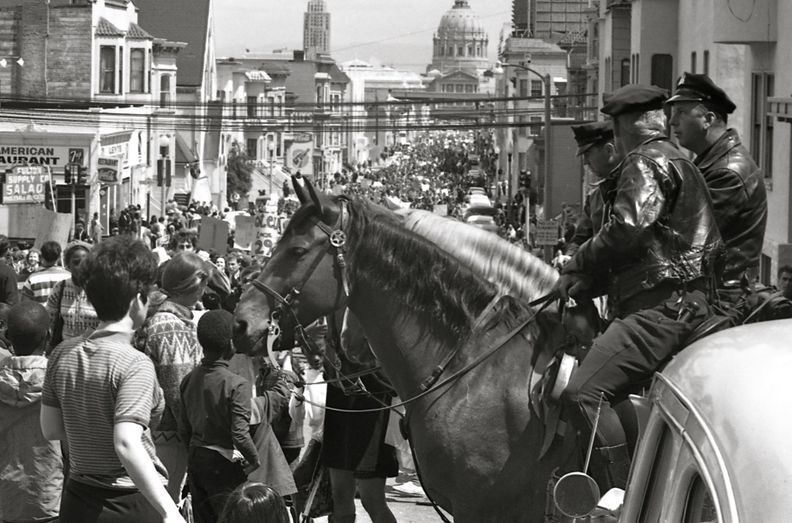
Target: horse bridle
{"points": [[285, 304]]}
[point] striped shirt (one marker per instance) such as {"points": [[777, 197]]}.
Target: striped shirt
{"points": [[98, 382], [39, 285]]}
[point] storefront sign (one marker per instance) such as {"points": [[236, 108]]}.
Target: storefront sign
{"points": [[53, 156], [25, 184], [108, 170], [299, 155]]}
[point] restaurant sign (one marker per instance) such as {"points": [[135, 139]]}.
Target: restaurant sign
{"points": [[52, 156]]}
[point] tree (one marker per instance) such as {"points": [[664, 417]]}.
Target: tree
{"points": [[239, 170]]}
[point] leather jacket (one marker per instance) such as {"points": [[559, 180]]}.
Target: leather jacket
{"points": [[593, 216], [661, 226], [739, 199]]}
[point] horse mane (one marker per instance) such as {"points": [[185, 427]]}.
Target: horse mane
{"points": [[514, 271], [446, 295]]}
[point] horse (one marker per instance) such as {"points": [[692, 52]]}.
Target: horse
{"points": [[477, 442]]}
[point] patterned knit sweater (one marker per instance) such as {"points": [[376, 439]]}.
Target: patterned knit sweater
{"points": [[170, 339]]}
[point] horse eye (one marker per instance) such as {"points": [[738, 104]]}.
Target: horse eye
{"points": [[299, 252]]}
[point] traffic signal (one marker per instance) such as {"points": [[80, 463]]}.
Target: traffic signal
{"points": [[82, 175], [525, 180], [164, 172], [67, 174]]}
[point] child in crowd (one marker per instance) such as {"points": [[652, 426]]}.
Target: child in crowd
{"points": [[31, 470], [102, 396], [254, 502], [215, 421]]}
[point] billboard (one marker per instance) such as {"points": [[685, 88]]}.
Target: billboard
{"points": [[108, 170]]}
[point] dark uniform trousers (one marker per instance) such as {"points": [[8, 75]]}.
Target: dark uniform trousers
{"points": [[645, 335]]}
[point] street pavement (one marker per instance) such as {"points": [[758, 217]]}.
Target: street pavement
{"points": [[406, 500]]}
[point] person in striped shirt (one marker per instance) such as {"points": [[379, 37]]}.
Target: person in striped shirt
{"points": [[39, 284], [101, 395]]}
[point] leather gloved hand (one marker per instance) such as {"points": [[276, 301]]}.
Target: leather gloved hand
{"points": [[571, 284]]}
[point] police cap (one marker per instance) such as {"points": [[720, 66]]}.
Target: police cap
{"points": [[590, 134], [700, 88], [634, 98]]}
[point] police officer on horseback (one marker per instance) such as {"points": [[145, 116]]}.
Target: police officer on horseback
{"points": [[658, 249], [699, 120], [598, 151]]}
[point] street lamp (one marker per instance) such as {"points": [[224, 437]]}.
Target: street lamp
{"points": [[548, 133]]}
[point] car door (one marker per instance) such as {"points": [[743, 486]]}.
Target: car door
{"points": [[678, 474]]}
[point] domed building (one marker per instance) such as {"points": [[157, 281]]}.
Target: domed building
{"points": [[460, 42]]}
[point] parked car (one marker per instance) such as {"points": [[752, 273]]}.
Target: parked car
{"points": [[714, 434]]}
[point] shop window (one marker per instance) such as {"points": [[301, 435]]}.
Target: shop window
{"points": [[107, 69], [137, 70]]}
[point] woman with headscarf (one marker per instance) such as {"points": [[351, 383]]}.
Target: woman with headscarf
{"points": [[71, 314], [170, 339]]}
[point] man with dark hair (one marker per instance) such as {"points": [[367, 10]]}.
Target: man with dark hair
{"points": [[656, 250], [9, 291], [31, 469], [39, 285], [699, 117], [102, 396]]}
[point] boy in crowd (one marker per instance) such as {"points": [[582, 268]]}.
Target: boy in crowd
{"points": [[31, 469], [39, 285], [102, 396], [212, 396]]}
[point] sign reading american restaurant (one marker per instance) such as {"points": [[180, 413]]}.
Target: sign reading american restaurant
{"points": [[53, 156]]}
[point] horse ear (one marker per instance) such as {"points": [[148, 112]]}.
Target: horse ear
{"points": [[318, 199], [299, 190]]}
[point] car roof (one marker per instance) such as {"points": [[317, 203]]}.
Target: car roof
{"points": [[486, 210], [737, 381]]}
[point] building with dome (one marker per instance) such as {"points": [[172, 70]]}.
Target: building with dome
{"points": [[460, 49], [460, 41]]}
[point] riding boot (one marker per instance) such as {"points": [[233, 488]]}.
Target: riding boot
{"points": [[614, 467], [347, 518]]}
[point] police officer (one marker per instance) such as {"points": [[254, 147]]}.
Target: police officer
{"points": [[655, 246], [699, 119], [596, 146]]}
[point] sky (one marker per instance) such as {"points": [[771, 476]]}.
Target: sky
{"points": [[392, 32]]}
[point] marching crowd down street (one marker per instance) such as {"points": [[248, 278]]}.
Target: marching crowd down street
{"points": [[607, 201]]}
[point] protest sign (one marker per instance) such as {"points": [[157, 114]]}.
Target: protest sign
{"points": [[547, 232], [245, 232], [214, 235], [52, 226], [441, 210]]}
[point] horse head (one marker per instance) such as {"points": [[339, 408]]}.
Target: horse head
{"points": [[303, 279]]}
